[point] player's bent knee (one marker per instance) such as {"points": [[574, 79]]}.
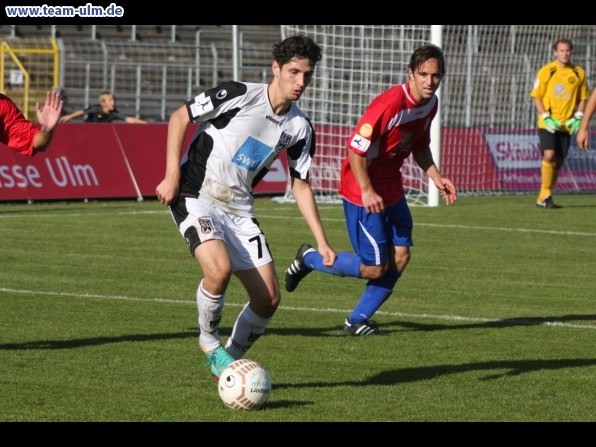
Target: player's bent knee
{"points": [[373, 271], [265, 308]]}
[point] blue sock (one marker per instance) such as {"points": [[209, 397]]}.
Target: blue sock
{"points": [[346, 264], [375, 294]]}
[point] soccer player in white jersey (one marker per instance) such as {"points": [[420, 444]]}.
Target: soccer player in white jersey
{"points": [[243, 129]]}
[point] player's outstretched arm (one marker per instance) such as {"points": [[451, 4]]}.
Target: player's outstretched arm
{"points": [[72, 115], [133, 120]]}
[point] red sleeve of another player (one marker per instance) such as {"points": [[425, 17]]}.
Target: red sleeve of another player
{"points": [[18, 131]]}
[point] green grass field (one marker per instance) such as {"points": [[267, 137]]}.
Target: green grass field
{"points": [[494, 319]]}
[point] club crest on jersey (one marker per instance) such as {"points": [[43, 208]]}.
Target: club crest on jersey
{"points": [[284, 142], [201, 105], [206, 226], [221, 94]]}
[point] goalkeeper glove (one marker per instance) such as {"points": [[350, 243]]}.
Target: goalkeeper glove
{"points": [[573, 123], [551, 123]]}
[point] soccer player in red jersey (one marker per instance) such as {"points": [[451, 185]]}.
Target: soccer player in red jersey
{"points": [[396, 124]]}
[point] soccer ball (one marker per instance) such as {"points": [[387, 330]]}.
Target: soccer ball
{"points": [[244, 385]]}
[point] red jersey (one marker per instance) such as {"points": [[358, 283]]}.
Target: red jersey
{"points": [[15, 130], [392, 127]]}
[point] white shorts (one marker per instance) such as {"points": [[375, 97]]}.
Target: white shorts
{"points": [[199, 222]]}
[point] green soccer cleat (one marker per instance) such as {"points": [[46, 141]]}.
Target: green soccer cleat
{"points": [[218, 359]]}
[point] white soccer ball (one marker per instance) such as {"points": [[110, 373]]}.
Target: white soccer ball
{"points": [[244, 385]]}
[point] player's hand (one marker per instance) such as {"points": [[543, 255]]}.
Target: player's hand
{"points": [[573, 123], [167, 191], [447, 189], [583, 138], [49, 115], [551, 123], [329, 255], [372, 202]]}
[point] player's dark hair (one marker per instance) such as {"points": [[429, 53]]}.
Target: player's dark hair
{"points": [[424, 53], [564, 41], [297, 46]]}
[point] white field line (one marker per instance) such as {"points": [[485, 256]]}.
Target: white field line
{"points": [[508, 321], [263, 216], [305, 309]]}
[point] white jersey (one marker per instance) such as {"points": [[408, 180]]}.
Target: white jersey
{"points": [[238, 140]]}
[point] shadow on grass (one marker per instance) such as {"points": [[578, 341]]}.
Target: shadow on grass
{"points": [[454, 325], [507, 322], [299, 331], [95, 341], [492, 368]]}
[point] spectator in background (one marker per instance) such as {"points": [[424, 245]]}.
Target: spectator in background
{"points": [[560, 92], [20, 134], [104, 112], [583, 134]]}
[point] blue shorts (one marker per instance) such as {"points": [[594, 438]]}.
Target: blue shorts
{"points": [[372, 234]]}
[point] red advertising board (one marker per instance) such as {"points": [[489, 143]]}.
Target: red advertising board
{"points": [[99, 160], [82, 162], [121, 160], [144, 149]]}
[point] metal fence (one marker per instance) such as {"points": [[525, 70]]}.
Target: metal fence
{"points": [[154, 69], [151, 79]]}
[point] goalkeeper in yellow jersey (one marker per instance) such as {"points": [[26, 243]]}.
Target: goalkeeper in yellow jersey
{"points": [[560, 92]]}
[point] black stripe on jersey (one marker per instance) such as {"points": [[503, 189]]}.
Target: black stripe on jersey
{"points": [[224, 119], [225, 91], [313, 139], [262, 173], [193, 173], [217, 96], [295, 151]]}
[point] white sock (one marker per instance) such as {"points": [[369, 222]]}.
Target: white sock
{"points": [[210, 309], [247, 329]]}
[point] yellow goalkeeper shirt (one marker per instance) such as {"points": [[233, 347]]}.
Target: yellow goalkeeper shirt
{"points": [[560, 89]]}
